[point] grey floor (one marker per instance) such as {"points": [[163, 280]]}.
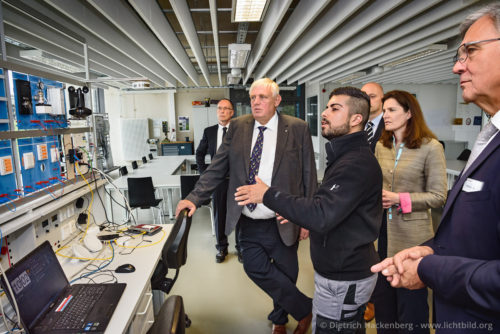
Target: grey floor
{"points": [[220, 298]]}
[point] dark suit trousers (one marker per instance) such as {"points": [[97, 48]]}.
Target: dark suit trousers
{"points": [[219, 198], [274, 267], [407, 308]]}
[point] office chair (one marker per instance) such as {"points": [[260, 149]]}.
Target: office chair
{"points": [[174, 256], [144, 160], [123, 170], [141, 194], [171, 319], [187, 185], [135, 165], [464, 156], [151, 156]]}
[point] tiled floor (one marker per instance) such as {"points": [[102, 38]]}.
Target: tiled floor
{"points": [[220, 298]]}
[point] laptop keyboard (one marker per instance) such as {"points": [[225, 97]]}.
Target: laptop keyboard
{"points": [[78, 309]]}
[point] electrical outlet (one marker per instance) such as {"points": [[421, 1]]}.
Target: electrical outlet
{"points": [[42, 152], [28, 160], [66, 230], [6, 165], [54, 154]]}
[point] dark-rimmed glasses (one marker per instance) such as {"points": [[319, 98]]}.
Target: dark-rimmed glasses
{"points": [[463, 50]]}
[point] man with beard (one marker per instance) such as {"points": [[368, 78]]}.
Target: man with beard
{"points": [[343, 216]]}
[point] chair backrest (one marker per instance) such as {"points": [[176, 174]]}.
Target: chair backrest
{"points": [[135, 165], [144, 160], [175, 253], [123, 170], [150, 156], [171, 319], [187, 184], [464, 156], [141, 191]]}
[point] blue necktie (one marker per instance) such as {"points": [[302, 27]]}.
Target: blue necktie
{"points": [[255, 161]]}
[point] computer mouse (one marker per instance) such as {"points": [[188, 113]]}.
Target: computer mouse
{"points": [[125, 268]]}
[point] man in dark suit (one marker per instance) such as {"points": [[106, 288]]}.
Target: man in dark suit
{"points": [[278, 149], [375, 124], [373, 129], [210, 142], [462, 262]]}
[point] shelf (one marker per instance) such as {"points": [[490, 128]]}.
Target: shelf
{"points": [[41, 133]]}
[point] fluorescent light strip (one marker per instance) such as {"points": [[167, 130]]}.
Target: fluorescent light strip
{"points": [[249, 10]]}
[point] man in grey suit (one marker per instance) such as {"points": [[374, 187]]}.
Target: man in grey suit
{"points": [[278, 149]]}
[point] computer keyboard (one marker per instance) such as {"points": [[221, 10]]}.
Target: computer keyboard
{"points": [[79, 307]]}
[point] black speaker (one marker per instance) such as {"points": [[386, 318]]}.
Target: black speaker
{"points": [[144, 160], [135, 165], [150, 156], [23, 90]]}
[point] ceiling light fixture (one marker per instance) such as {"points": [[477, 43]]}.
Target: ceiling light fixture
{"points": [[238, 55], [47, 59], [351, 77], [248, 10], [232, 80], [421, 53]]}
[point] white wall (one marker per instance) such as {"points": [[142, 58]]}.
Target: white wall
{"points": [[184, 104], [120, 104], [466, 132]]}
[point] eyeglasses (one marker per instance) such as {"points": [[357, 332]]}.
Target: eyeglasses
{"points": [[224, 108], [463, 50]]}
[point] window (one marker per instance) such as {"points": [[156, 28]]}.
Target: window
{"points": [[312, 114]]}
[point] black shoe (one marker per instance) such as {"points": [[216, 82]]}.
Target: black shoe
{"points": [[240, 257], [220, 256]]}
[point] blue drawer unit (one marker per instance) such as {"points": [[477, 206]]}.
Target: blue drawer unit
{"points": [[177, 148]]}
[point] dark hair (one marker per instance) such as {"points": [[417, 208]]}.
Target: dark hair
{"points": [[359, 101], [228, 100], [416, 128]]}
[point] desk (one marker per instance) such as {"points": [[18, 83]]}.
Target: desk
{"points": [[138, 282], [453, 170], [162, 170]]}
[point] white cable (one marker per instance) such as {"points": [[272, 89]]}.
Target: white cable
{"points": [[12, 294], [4, 318], [110, 181]]}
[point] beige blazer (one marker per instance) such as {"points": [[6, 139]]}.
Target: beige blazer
{"points": [[422, 173]]}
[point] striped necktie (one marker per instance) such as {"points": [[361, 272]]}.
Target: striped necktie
{"points": [[369, 131], [482, 139], [255, 161]]}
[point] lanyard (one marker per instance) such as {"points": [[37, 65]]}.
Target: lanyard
{"points": [[398, 155]]}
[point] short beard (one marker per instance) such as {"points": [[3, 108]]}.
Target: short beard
{"points": [[336, 132]]}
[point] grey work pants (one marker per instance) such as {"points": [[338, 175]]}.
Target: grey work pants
{"points": [[338, 306]]}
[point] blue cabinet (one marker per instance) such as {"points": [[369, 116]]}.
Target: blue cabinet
{"points": [[177, 148]]}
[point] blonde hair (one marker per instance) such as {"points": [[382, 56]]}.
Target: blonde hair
{"points": [[266, 82]]}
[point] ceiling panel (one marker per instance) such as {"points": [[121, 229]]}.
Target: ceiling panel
{"points": [[298, 40]]}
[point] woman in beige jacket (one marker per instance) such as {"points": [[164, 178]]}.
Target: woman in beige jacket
{"points": [[414, 171]]}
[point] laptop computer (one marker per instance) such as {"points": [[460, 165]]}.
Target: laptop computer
{"points": [[48, 304]]}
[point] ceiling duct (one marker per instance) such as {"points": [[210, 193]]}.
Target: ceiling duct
{"points": [[47, 59]]}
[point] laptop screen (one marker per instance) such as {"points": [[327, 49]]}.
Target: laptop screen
{"points": [[36, 282]]}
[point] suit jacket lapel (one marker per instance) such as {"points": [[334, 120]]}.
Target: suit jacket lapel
{"points": [[247, 142], [463, 177], [281, 139]]}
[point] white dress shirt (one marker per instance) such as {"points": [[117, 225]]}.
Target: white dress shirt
{"points": [[266, 164], [376, 122]]}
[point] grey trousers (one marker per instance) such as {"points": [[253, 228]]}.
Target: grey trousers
{"points": [[338, 306]]}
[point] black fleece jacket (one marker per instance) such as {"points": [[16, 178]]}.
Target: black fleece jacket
{"points": [[344, 215]]}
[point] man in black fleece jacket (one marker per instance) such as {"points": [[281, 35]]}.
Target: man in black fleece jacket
{"points": [[343, 217]]}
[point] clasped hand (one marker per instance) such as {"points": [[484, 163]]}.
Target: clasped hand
{"points": [[402, 269]]}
